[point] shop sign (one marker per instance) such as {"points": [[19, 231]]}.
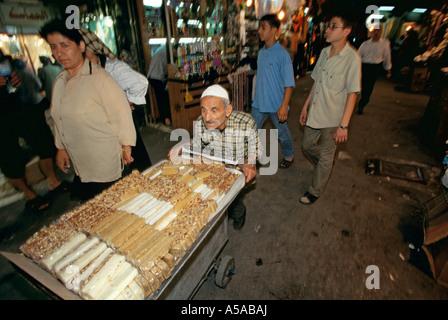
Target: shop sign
{"points": [[18, 14]]}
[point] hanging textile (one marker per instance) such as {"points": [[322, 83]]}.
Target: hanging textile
{"points": [[263, 7], [240, 88], [437, 20], [295, 4]]}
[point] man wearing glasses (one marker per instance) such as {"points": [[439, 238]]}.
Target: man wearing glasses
{"points": [[329, 106]]}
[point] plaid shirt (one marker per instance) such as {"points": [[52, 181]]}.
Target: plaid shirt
{"points": [[239, 139]]}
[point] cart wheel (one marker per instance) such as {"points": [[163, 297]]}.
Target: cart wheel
{"points": [[226, 270]]}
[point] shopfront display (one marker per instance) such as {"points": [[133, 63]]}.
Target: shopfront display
{"points": [[205, 42], [19, 31]]}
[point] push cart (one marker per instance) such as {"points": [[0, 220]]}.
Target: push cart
{"points": [[204, 255], [202, 258], [187, 276]]}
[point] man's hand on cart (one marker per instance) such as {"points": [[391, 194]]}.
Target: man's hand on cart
{"points": [[250, 172], [175, 152]]}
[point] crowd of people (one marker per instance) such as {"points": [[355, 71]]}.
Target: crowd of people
{"points": [[93, 96]]}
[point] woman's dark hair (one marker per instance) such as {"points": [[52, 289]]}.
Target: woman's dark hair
{"points": [[59, 26]]}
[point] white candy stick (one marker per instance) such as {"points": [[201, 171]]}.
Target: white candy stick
{"points": [[102, 278], [160, 212], [144, 208], [61, 252], [95, 264], [70, 272], [132, 203], [117, 285], [75, 254]]}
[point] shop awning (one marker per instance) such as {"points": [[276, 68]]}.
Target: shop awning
{"points": [[24, 18]]}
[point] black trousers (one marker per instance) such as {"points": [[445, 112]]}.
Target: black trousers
{"points": [[162, 98], [87, 190], [28, 122], [370, 73], [140, 154]]}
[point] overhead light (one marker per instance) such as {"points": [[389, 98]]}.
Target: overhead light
{"points": [[419, 10], [386, 8], [248, 3], [157, 41], [152, 3], [376, 16], [108, 22], [281, 15]]}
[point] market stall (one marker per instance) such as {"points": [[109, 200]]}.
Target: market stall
{"points": [[152, 235], [205, 42], [19, 31]]}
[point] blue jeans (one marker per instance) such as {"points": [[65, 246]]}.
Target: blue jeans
{"points": [[283, 131]]}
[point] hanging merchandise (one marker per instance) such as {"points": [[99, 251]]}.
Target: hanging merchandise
{"points": [[242, 28], [188, 96], [437, 40], [438, 18], [295, 3], [239, 86], [263, 7]]}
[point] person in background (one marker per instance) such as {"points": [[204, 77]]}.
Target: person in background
{"points": [[157, 76], [327, 111], [376, 55], [93, 123], [135, 86], [18, 119], [274, 86], [47, 75], [404, 59], [31, 86], [298, 38]]}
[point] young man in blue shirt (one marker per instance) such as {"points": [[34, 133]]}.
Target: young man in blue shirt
{"points": [[274, 86]]}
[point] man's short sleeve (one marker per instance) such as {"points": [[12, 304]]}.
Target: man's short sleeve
{"points": [[353, 79]]}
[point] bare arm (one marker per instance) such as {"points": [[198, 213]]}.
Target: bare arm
{"points": [[306, 105], [282, 112], [341, 134]]}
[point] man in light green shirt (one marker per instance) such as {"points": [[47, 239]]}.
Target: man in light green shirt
{"points": [[329, 106]]}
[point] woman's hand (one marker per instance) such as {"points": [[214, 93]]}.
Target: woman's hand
{"points": [[62, 160], [127, 157]]}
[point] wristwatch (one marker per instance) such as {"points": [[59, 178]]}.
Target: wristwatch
{"points": [[343, 127]]}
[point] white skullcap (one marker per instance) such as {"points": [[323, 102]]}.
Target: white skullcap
{"points": [[217, 91]]}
